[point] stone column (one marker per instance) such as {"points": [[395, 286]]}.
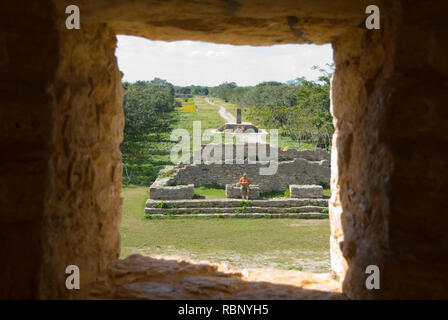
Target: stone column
{"points": [[238, 116]]}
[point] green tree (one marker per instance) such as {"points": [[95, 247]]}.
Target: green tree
{"points": [[146, 107], [299, 109], [143, 103]]}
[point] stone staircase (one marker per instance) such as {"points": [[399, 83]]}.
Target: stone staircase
{"points": [[274, 208]]}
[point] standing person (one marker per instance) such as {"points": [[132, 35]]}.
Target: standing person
{"points": [[244, 183]]}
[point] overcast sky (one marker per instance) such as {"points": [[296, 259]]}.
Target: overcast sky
{"points": [[191, 62]]}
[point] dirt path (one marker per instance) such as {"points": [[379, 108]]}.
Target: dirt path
{"points": [[227, 116]]}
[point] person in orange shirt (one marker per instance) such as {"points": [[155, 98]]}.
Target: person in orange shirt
{"points": [[244, 183]]}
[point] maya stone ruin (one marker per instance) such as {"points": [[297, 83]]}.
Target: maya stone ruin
{"points": [[290, 166]]}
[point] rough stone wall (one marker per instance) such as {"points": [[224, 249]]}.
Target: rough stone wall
{"points": [[26, 125], [387, 207], [297, 171], [162, 192], [261, 151], [83, 206], [415, 99], [362, 163], [62, 123], [244, 22], [86, 164]]}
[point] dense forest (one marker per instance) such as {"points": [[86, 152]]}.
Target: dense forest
{"points": [[299, 108]]}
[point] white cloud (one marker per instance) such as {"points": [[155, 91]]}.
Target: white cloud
{"points": [[191, 62]]}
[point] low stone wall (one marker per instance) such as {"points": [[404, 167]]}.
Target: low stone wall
{"points": [[171, 192], [263, 151], [311, 155], [297, 171], [234, 191], [305, 191]]}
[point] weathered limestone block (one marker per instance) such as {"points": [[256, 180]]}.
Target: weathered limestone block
{"points": [[305, 191], [234, 191], [171, 192]]}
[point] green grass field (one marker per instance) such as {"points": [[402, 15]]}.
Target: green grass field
{"points": [[206, 113], [252, 243], [220, 193]]}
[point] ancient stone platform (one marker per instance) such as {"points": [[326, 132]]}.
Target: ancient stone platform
{"points": [[236, 208], [290, 167]]}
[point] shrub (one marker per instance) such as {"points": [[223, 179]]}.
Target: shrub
{"points": [[324, 185], [169, 173], [160, 204], [245, 203], [240, 210], [299, 268], [275, 194]]}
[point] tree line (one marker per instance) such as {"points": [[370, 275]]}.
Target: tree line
{"points": [[147, 107]]}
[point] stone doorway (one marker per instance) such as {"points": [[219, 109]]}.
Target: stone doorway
{"points": [[65, 134]]}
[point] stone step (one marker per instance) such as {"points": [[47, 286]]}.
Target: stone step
{"points": [[306, 215], [234, 210], [231, 203]]}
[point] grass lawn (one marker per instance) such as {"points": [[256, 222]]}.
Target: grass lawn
{"points": [[253, 243], [204, 112], [210, 193]]}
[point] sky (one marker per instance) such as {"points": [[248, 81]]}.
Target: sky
{"points": [[185, 63]]}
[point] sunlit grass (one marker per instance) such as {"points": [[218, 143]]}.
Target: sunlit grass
{"points": [[205, 113], [244, 242], [210, 193]]}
